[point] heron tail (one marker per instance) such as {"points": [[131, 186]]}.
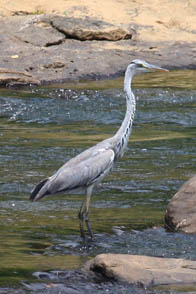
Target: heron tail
{"points": [[39, 191]]}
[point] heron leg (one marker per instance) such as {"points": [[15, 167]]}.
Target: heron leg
{"points": [[81, 220], [88, 225], [83, 213]]}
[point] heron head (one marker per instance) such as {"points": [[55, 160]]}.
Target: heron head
{"points": [[143, 66]]}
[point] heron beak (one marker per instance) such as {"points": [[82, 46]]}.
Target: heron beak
{"points": [[157, 68]]}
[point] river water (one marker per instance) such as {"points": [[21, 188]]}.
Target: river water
{"points": [[41, 128]]}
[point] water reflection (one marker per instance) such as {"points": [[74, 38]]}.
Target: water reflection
{"points": [[43, 128]]}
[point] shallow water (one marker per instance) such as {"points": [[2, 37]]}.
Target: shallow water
{"points": [[42, 128]]}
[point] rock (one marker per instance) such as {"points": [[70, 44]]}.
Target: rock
{"points": [[42, 36], [31, 29], [181, 211], [11, 78], [89, 29], [143, 270], [48, 30]]}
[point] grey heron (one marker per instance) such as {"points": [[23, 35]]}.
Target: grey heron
{"points": [[89, 167]]}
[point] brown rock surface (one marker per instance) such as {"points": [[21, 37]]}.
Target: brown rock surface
{"points": [[143, 270], [15, 77], [181, 211], [89, 29]]}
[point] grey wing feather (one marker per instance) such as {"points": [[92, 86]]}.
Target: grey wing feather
{"points": [[81, 174], [90, 153]]}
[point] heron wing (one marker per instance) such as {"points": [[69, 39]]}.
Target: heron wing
{"points": [[91, 152], [78, 175]]}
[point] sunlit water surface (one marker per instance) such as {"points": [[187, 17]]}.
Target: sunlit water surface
{"points": [[40, 129]]}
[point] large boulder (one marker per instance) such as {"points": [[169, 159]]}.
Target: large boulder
{"points": [[181, 211], [142, 270]]}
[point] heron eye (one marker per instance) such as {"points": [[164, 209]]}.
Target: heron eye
{"points": [[140, 65]]}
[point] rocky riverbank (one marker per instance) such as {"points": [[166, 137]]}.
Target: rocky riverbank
{"points": [[40, 47]]}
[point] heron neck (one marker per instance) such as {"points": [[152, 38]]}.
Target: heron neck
{"points": [[122, 136]]}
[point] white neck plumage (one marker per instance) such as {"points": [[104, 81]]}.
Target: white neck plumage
{"points": [[122, 136]]}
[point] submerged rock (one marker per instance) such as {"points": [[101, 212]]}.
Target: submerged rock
{"points": [[181, 211], [143, 270]]}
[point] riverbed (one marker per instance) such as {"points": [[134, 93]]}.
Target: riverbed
{"points": [[41, 128]]}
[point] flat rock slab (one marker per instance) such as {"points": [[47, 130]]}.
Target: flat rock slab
{"points": [[89, 29], [10, 77], [181, 211], [143, 270]]}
